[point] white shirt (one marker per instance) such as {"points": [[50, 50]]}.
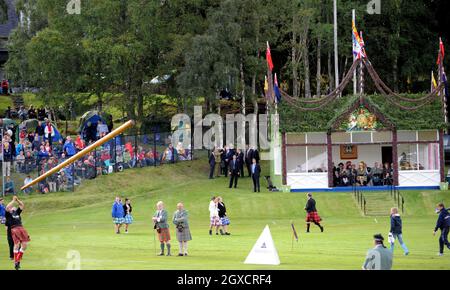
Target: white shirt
{"points": [[213, 210]]}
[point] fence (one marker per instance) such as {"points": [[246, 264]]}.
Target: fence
{"points": [[360, 198], [117, 155], [398, 197]]}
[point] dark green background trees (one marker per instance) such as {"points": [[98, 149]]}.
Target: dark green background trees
{"points": [[114, 48]]}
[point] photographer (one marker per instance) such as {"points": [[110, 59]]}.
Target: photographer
{"points": [[180, 220]]}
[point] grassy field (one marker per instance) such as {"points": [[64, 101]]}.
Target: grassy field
{"points": [[80, 221]]}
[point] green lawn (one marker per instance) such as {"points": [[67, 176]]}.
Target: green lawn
{"points": [[80, 221]]}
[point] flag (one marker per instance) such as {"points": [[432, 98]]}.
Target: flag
{"points": [[269, 58], [444, 80], [441, 55], [294, 232], [433, 81], [358, 43], [276, 90]]}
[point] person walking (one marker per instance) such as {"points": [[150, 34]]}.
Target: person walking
{"points": [[312, 216], [128, 218], [443, 224], [117, 214], [256, 174], [214, 219], [162, 227], [224, 220], [396, 231], [379, 258], [181, 222]]}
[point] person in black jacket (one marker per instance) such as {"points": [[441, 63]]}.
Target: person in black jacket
{"points": [[256, 173], [443, 223], [212, 164], [312, 216], [396, 231], [234, 171], [240, 158], [248, 160], [224, 220]]}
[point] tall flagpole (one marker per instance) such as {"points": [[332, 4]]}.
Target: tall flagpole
{"points": [[336, 58], [355, 81]]}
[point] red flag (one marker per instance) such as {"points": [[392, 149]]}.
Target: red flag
{"points": [[441, 52], [269, 58]]}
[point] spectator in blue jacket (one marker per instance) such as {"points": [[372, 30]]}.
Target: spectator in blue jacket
{"points": [[69, 147], [396, 231], [443, 223], [118, 214], [2, 212]]}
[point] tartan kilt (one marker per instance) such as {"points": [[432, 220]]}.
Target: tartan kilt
{"points": [[128, 219], [313, 217], [19, 235], [118, 221], [224, 221], [215, 221], [184, 236], [164, 235], [2, 220]]}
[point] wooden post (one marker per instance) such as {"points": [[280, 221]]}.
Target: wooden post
{"points": [[284, 157], [395, 157], [441, 155], [330, 161]]}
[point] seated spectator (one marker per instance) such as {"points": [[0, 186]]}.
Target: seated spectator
{"points": [[63, 182], [58, 148], [362, 174], [42, 154], [102, 129], [43, 187], [27, 180], [32, 112], [9, 186], [29, 162], [23, 113], [20, 162]]}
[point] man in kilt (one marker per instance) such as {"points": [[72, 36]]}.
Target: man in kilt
{"points": [[19, 234], [181, 222], [162, 227], [312, 216], [118, 214]]}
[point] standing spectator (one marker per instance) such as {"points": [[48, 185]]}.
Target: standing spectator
{"points": [[212, 164], [379, 258], [181, 222], [49, 132], [58, 148], [256, 173], [29, 162], [40, 131], [443, 224], [224, 220], [234, 172], [7, 158], [23, 114], [387, 175], [214, 215], [396, 231], [248, 160], [69, 147], [117, 214], [217, 156], [162, 227], [28, 180], [240, 159], [256, 154], [9, 186], [312, 215], [8, 113], [128, 218], [5, 87]]}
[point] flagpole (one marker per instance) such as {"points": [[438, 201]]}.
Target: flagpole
{"points": [[336, 57], [355, 81], [361, 72]]}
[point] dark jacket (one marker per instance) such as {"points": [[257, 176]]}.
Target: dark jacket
{"points": [[396, 224], [222, 209], [257, 172], [237, 167], [443, 220], [212, 159], [310, 205]]}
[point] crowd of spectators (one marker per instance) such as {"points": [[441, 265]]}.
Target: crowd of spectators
{"points": [[34, 153], [360, 174]]}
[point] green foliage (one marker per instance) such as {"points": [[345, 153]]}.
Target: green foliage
{"points": [[294, 120]]}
